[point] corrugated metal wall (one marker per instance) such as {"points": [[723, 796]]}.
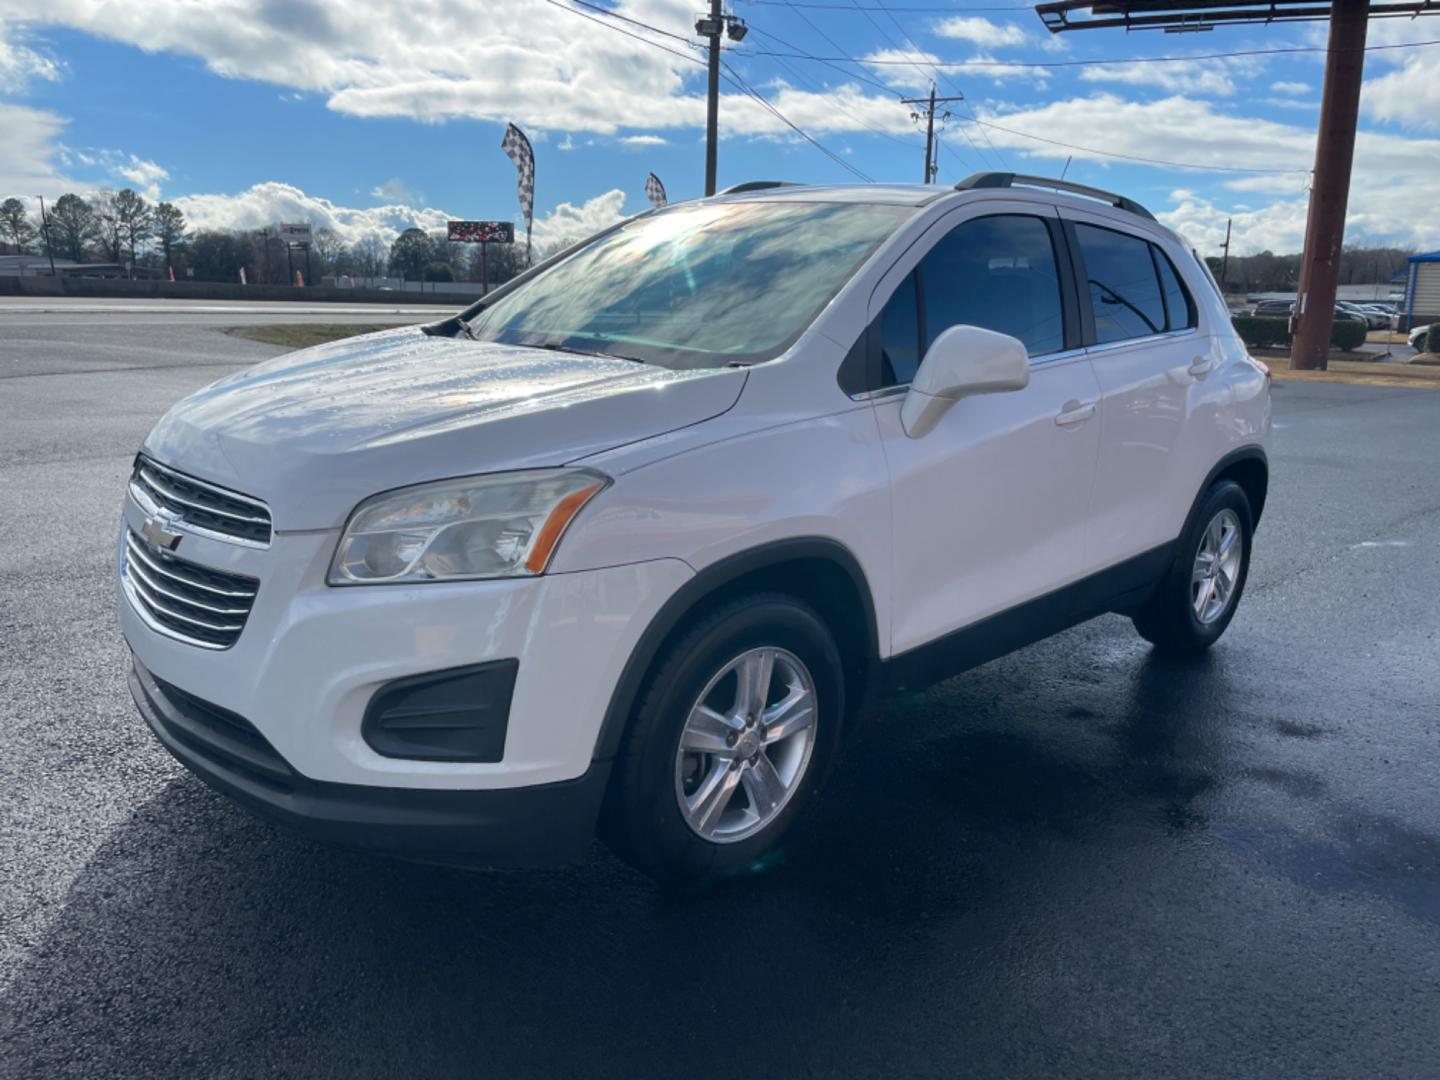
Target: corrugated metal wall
{"points": [[1424, 292]]}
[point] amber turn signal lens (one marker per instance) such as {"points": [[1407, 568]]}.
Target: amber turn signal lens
{"points": [[555, 526]]}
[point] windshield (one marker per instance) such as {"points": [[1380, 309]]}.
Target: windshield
{"points": [[695, 286]]}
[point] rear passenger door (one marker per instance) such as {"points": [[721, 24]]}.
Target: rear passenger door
{"points": [[989, 507], [1152, 364]]}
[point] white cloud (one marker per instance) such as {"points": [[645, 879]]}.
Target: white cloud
{"points": [[267, 203], [904, 69], [1393, 175], [114, 169], [641, 141], [1409, 93], [28, 152], [998, 70], [570, 222], [540, 66], [981, 31], [1190, 76], [19, 63], [144, 176], [395, 191], [1285, 87]]}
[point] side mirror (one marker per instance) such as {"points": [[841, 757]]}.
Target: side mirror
{"points": [[964, 360]]}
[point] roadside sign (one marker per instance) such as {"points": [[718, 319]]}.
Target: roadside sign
{"points": [[481, 232], [295, 232]]}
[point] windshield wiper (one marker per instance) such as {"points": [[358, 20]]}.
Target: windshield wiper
{"points": [[555, 346]]}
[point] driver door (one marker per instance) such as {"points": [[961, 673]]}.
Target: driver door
{"points": [[989, 508]]}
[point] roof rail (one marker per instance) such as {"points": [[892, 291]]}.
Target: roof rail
{"points": [[756, 185], [1008, 179]]}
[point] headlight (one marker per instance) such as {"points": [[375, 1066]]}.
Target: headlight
{"points": [[506, 525]]}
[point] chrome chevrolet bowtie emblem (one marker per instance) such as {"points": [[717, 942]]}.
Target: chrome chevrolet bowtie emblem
{"points": [[156, 532]]}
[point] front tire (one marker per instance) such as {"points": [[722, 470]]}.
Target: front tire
{"points": [[734, 732], [1194, 603]]}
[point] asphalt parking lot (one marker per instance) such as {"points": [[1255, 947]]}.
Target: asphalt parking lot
{"points": [[1078, 861]]}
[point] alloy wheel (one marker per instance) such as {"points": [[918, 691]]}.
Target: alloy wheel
{"points": [[1217, 567], [746, 745]]}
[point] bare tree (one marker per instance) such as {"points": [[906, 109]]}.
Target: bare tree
{"points": [[328, 249], [16, 227], [170, 232], [369, 255], [73, 226], [109, 230], [136, 219]]}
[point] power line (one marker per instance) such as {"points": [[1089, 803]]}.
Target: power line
{"points": [[881, 7], [745, 88], [809, 82], [1113, 61], [734, 77], [1127, 157], [611, 13], [944, 78], [621, 30], [736, 80], [860, 75]]}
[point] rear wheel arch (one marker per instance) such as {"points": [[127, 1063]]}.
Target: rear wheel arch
{"points": [[821, 572], [1250, 468]]}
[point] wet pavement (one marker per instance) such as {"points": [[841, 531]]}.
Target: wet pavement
{"points": [[1079, 861]]}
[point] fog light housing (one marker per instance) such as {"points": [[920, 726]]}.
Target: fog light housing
{"points": [[460, 714]]}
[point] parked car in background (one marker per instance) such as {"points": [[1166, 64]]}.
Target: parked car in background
{"points": [[1373, 320], [629, 543], [1417, 336], [1283, 309]]}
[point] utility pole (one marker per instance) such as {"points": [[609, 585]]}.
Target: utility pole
{"points": [[927, 110], [1225, 259], [1334, 154], [712, 27], [45, 228]]}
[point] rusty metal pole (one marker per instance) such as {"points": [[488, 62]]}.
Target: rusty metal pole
{"points": [[1330, 190]]}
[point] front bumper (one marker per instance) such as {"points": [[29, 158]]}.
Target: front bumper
{"points": [[538, 825], [312, 657]]}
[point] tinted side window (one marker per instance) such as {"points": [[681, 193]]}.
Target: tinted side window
{"points": [[998, 273], [1123, 286], [1179, 308], [900, 335]]}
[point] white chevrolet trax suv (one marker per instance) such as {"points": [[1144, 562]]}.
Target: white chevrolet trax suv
{"points": [[624, 547]]}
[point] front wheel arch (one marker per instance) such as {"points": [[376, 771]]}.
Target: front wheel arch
{"points": [[817, 570]]}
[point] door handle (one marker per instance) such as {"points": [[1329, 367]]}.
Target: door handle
{"points": [[1075, 412], [1201, 366]]}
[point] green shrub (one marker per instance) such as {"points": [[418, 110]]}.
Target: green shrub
{"points": [[1263, 331], [1347, 334], [1431, 344], [1273, 332]]}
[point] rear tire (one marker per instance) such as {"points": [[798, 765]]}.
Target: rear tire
{"points": [[751, 761], [1197, 598]]}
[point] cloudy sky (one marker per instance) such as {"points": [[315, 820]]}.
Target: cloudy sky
{"points": [[376, 115]]}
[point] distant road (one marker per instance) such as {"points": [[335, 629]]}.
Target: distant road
{"points": [[71, 305]]}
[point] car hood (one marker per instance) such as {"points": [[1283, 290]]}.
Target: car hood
{"points": [[314, 432]]}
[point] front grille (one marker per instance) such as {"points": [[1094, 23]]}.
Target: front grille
{"points": [[202, 507], [184, 600], [227, 739]]}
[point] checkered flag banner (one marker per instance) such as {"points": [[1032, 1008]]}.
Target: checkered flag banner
{"points": [[517, 149], [655, 190]]}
